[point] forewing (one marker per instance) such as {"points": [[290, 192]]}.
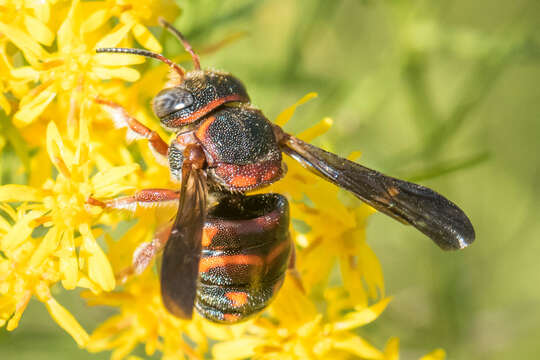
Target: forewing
{"points": [[180, 264], [431, 213]]}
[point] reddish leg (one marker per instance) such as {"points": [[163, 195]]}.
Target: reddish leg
{"points": [[142, 198], [136, 130], [144, 254]]}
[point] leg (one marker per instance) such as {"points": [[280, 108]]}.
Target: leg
{"points": [[142, 198], [144, 254], [136, 130]]}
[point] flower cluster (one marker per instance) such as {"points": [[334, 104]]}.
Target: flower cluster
{"points": [[50, 234]]}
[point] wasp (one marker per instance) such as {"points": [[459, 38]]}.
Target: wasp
{"points": [[226, 253]]}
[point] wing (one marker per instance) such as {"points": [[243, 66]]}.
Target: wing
{"points": [[431, 213], [180, 264]]}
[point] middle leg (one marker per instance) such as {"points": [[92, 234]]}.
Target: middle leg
{"points": [[142, 198]]}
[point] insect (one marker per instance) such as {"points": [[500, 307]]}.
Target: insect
{"points": [[226, 253]]}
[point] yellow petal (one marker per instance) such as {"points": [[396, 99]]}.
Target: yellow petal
{"points": [[67, 322], [41, 10], [103, 180], [69, 267], [391, 350], [289, 112], [145, 38], [25, 73], [95, 20], [292, 306], [359, 318], [373, 274], [438, 354], [4, 104], [55, 147], [47, 246], [99, 268], [20, 232], [66, 37], [113, 39], [236, 349], [357, 346], [31, 49], [33, 105], [38, 30], [124, 73], [14, 192], [317, 130], [118, 59]]}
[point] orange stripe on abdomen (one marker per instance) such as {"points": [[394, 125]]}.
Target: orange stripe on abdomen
{"points": [[207, 235], [211, 262], [237, 298], [277, 251]]}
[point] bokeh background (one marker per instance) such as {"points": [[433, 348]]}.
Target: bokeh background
{"points": [[445, 93]]}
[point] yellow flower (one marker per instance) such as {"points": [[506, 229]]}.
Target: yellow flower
{"points": [[75, 65], [59, 209], [49, 233]]}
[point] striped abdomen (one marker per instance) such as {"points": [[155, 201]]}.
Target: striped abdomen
{"points": [[245, 253]]}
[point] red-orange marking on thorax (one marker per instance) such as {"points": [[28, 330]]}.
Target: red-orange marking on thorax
{"points": [[203, 128], [241, 181]]}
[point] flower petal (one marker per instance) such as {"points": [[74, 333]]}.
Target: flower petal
{"points": [[113, 38], [33, 105], [118, 59], [99, 268], [357, 346], [106, 182], [391, 350], [46, 247], [286, 114], [38, 30], [359, 318], [438, 354], [124, 73], [31, 49], [316, 130], [14, 192], [67, 322], [19, 232], [95, 20], [69, 266], [236, 349], [145, 38]]}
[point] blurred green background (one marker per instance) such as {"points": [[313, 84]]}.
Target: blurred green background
{"points": [[445, 93]]}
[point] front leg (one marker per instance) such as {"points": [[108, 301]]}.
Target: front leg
{"points": [[136, 130]]}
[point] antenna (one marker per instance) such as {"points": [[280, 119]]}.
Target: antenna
{"points": [[179, 36], [146, 53]]}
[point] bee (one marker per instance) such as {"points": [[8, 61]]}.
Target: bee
{"points": [[226, 253]]}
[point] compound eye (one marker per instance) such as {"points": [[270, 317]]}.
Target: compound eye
{"points": [[168, 101]]}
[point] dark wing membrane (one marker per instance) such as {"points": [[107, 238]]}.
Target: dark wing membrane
{"points": [[413, 204], [180, 264]]}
